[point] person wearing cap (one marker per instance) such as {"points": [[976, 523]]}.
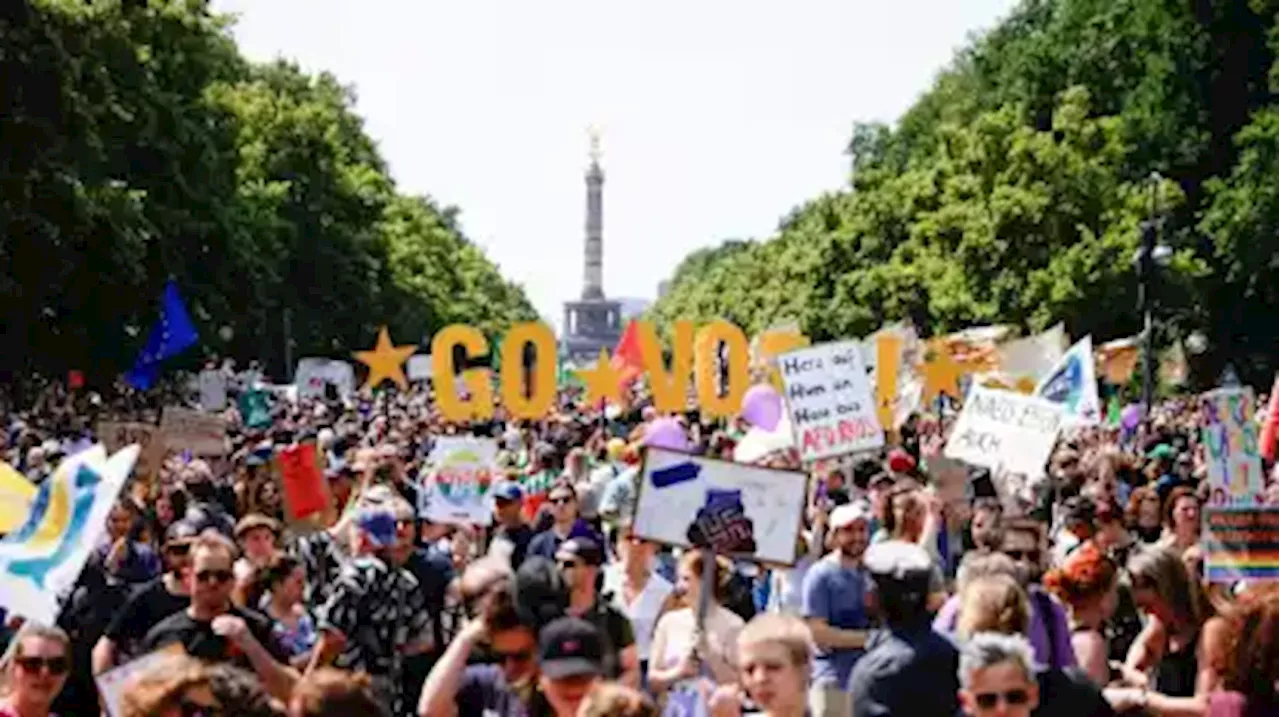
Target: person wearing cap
{"points": [[579, 560], [510, 530], [257, 535], [571, 653], [151, 603], [834, 607], [375, 614], [910, 670]]}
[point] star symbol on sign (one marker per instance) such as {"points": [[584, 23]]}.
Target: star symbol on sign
{"points": [[385, 361], [604, 381]]}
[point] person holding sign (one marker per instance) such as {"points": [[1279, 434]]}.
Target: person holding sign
{"points": [[681, 647]]}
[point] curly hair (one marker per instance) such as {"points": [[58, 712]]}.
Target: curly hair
{"points": [[1254, 626], [1086, 574], [993, 603]]}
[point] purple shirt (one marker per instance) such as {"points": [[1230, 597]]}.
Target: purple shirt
{"points": [[945, 622]]}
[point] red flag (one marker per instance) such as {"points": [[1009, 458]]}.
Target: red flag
{"points": [[304, 487], [1270, 439], [627, 357]]}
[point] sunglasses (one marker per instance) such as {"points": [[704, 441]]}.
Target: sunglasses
{"points": [[214, 576], [560, 501], [519, 656], [569, 564], [1013, 698], [55, 665], [177, 549], [1028, 555]]}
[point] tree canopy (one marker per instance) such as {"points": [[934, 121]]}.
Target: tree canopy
{"points": [[138, 145], [1014, 189]]}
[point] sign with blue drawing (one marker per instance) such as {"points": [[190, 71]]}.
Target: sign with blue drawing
{"points": [[735, 509]]}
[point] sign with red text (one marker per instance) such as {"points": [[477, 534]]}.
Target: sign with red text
{"points": [[1229, 434], [459, 481], [828, 395], [1005, 431]]}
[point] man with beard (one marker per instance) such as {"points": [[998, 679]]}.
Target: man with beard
{"points": [[834, 606]]}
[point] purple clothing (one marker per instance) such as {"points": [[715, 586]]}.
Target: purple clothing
{"points": [[945, 622]]}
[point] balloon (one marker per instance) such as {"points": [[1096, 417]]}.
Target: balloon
{"points": [[1131, 416], [666, 433], [762, 406]]}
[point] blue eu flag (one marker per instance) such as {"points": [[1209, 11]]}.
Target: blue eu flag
{"points": [[172, 335]]}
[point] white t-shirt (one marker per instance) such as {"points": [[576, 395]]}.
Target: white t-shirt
{"points": [[643, 611]]}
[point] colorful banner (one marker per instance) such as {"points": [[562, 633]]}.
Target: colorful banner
{"points": [[1073, 385], [829, 399], [458, 482], [1241, 544], [1005, 431], [16, 496], [42, 559], [1230, 438]]}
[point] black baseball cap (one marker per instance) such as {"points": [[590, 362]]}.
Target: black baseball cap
{"points": [[585, 549], [570, 647]]}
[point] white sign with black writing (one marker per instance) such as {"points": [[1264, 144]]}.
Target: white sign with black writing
{"points": [[829, 399], [1003, 430]]}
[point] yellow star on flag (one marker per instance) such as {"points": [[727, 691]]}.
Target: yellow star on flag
{"points": [[385, 360], [604, 382]]}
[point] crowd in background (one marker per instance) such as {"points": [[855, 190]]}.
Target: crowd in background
{"points": [[1078, 594]]}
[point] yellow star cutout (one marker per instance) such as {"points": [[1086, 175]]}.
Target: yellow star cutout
{"points": [[940, 372], [604, 382], [385, 360]]}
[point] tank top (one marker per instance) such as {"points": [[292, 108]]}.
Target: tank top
{"points": [[1176, 672]]}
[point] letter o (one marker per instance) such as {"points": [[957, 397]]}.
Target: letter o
{"points": [[543, 396]]}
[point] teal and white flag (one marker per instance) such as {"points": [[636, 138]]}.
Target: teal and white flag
{"points": [[1074, 384]]}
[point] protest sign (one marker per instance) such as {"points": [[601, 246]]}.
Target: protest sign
{"points": [[744, 511], [147, 436], [314, 375], [1073, 385], [829, 399], [255, 408], [186, 430], [302, 485], [1005, 431], [1241, 544], [42, 559], [457, 484], [213, 390], [1230, 438], [419, 367]]}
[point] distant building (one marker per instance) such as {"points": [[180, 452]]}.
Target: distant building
{"points": [[633, 307], [592, 322]]}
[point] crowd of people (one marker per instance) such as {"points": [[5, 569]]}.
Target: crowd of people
{"points": [[1083, 594]]}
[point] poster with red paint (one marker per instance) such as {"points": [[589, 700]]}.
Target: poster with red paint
{"points": [[302, 484], [829, 399]]}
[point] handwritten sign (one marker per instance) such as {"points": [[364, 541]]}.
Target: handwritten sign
{"points": [[458, 482], [829, 398], [740, 510], [151, 444], [213, 390], [1005, 431], [1240, 544], [1230, 438], [186, 430]]}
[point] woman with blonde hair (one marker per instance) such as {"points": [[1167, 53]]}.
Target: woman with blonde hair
{"points": [[35, 670], [993, 603], [179, 686]]}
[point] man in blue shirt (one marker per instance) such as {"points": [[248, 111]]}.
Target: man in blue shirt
{"points": [[833, 604]]}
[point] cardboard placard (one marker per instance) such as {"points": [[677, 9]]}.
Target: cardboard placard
{"points": [[115, 435], [829, 399], [186, 430], [456, 488], [1005, 431], [213, 390]]}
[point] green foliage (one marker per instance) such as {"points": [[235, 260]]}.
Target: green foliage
{"points": [[1013, 190], [136, 145]]}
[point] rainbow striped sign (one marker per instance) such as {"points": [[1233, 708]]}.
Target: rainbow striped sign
{"points": [[1241, 544]]}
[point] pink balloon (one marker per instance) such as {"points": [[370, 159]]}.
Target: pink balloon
{"points": [[666, 433], [762, 406]]}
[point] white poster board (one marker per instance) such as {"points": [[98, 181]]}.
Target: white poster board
{"points": [[419, 367], [458, 481], [755, 511], [1229, 435], [1007, 431], [829, 399], [314, 374], [213, 390]]}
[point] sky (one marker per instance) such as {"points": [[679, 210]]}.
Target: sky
{"points": [[716, 118]]}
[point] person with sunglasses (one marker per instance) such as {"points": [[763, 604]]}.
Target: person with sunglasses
{"points": [[997, 676], [35, 672], [151, 603], [579, 561], [213, 629], [565, 523]]}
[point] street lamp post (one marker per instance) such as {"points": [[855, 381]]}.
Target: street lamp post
{"points": [[1150, 254]]}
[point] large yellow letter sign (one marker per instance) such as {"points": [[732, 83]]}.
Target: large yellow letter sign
{"points": [[543, 396], [670, 388], [477, 380], [737, 350]]}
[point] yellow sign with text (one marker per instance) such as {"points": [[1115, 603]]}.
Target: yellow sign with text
{"points": [[694, 356]]}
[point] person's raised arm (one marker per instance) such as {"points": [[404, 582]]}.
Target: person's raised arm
{"points": [[277, 678], [440, 690]]}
